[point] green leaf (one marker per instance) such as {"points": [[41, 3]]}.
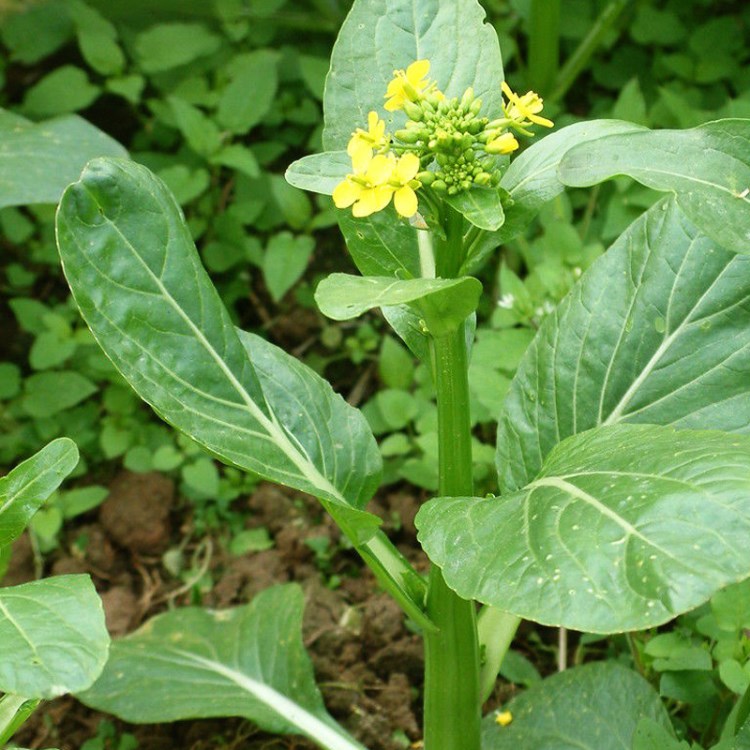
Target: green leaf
{"points": [[49, 393], [624, 528], [319, 173], [166, 46], [594, 707], [24, 490], [379, 37], [248, 661], [656, 331], [53, 635], [201, 133], [81, 500], [37, 161], [650, 735], [480, 206], [248, 96], [284, 261], [532, 180], [707, 168], [122, 239], [97, 39], [65, 89], [443, 303]]}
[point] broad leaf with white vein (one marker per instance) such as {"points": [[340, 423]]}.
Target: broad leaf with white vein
{"points": [[248, 661], [136, 276], [657, 331], [53, 637], [624, 528]]}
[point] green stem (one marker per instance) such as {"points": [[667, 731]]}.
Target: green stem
{"points": [[452, 700], [496, 632], [589, 44], [14, 710], [544, 44]]}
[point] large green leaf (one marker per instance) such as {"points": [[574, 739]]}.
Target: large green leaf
{"points": [[194, 663], [38, 160], [593, 707], [24, 490], [482, 207], [53, 637], [707, 168], [380, 36], [656, 331], [137, 279], [532, 180], [444, 303], [624, 528], [319, 173]]}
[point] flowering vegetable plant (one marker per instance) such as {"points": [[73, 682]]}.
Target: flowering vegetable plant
{"points": [[624, 476]]}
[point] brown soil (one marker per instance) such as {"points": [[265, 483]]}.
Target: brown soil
{"points": [[367, 662]]}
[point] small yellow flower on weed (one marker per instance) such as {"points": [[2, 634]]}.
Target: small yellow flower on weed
{"points": [[405, 199], [374, 138], [503, 144], [524, 110], [407, 85], [503, 718]]}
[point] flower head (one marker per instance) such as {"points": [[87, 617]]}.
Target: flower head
{"points": [[409, 85], [524, 110], [377, 179], [503, 718], [374, 138]]}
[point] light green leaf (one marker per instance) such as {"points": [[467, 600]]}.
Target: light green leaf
{"points": [[650, 735], [49, 393], [170, 45], [201, 133], [657, 331], [319, 173], [53, 635], [284, 261], [25, 488], [248, 96], [624, 528], [37, 161], [593, 707], [137, 278], [248, 661], [479, 206], [65, 89], [443, 303], [97, 39], [707, 168], [532, 180], [379, 37]]}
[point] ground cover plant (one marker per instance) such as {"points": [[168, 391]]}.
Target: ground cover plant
{"points": [[649, 340]]}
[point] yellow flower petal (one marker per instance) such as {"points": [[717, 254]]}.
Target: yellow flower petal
{"points": [[503, 718], [417, 71], [543, 121], [405, 201], [379, 170], [372, 200], [345, 193], [361, 159], [406, 167]]}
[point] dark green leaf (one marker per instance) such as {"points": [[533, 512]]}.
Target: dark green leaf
{"points": [[480, 206]]}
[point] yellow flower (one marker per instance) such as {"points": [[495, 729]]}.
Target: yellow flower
{"points": [[503, 144], [524, 110], [362, 141], [503, 718], [409, 85], [377, 179]]}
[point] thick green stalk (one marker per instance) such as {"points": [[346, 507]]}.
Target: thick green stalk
{"points": [[544, 44], [496, 632], [452, 700]]}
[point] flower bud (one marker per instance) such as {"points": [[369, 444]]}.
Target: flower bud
{"points": [[483, 178], [426, 177], [476, 105], [439, 186], [413, 111], [467, 100], [407, 136]]}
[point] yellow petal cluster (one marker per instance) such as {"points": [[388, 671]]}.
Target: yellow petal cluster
{"points": [[503, 718], [524, 110], [375, 180], [505, 143], [372, 139], [408, 85]]}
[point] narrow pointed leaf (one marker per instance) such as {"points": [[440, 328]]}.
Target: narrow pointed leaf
{"points": [[53, 637], [38, 160], [707, 168], [24, 490], [136, 276], [479, 206], [443, 303], [319, 173], [624, 528], [532, 180], [379, 37], [194, 663], [594, 707], [657, 331]]}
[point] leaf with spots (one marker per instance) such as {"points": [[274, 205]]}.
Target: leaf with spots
{"points": [[624, 528]]}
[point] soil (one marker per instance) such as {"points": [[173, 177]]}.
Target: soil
{"points": [[367, 661]]}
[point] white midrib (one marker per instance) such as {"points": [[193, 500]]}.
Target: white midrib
{"points": [[308, 723], [271, 426]]}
